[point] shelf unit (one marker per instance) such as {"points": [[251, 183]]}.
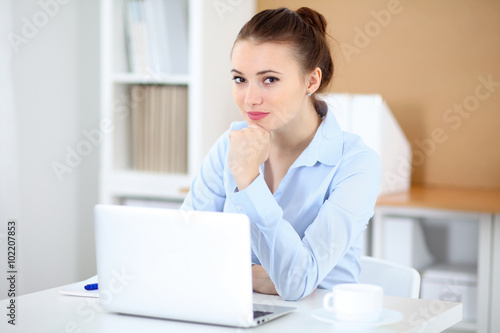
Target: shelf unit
{"points": [[211, 32], [444, 212]]}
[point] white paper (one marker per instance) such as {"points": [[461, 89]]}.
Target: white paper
{"points": [[78, 288]]}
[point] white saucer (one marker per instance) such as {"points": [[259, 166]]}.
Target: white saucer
{"points": [[387, 317]]}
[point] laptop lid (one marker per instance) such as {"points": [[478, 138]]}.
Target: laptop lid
{"points": [[183, 265]]}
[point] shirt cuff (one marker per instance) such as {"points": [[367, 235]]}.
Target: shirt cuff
{"points": [[256, 201]]}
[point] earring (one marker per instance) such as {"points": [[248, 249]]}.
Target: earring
{"points": [[309, 94]]}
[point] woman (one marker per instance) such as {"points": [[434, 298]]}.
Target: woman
{"points": [[308, 188]]}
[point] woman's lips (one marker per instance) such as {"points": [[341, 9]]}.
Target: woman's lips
{"points": [[255, 115]]}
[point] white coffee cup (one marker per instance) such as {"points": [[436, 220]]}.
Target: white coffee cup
{"points": [[355, 302]]}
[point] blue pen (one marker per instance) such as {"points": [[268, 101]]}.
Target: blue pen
{"points": [[92, 286]]}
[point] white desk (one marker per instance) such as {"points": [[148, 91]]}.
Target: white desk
{"points": [[49, 311]]}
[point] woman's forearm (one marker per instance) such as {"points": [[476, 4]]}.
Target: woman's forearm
{"points": [[261, 281]]}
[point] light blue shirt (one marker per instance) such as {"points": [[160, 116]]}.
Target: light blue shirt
{"points": [[309, 233]]}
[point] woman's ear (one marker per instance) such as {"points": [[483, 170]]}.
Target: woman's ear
{"points": [[314, 80]]}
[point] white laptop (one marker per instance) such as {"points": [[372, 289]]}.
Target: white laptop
{"points": [[176, 264]]}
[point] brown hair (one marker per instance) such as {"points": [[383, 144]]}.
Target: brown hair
{"points": [[305, 31]]}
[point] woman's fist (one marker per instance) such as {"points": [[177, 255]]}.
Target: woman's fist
{"points": [[248, 149]]}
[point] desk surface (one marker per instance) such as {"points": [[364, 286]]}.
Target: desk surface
{"points": [[49, 311], [474, 200]]}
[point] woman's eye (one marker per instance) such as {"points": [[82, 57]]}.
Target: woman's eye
{"points": [[270, 80], [238, 79]]}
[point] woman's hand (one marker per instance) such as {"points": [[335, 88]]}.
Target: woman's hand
{"points": [[261, 281], [248, 149]]}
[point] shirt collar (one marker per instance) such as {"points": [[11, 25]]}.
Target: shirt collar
{"points": [[326, 146]]}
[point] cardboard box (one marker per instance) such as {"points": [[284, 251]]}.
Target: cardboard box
{"points": [[453, 283]]}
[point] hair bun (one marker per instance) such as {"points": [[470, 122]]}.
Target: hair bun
{"points": [[313, 18]]}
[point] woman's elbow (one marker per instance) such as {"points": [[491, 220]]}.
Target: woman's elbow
{"points": [[294, 291]]}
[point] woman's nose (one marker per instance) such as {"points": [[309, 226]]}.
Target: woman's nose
{"points": [[253, 95]]}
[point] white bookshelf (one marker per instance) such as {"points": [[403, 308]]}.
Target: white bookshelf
{"points": [[131, 78], [461, 231], [455, 238], [211, 33]]}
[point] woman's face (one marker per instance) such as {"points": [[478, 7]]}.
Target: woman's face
{"points": [[269, 86]]}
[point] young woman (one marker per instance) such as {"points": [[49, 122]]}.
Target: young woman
{"points": [[308, 187]]}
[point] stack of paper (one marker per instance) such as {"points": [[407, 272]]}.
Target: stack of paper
{"points": [[159, 128]]}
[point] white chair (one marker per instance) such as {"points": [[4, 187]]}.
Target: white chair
{"points": [[396, 279]]}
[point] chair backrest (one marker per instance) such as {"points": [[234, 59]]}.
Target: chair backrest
{"points": [[396, 279]]}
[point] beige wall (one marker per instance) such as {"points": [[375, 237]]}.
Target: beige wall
{"points": [[428, 59]]}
